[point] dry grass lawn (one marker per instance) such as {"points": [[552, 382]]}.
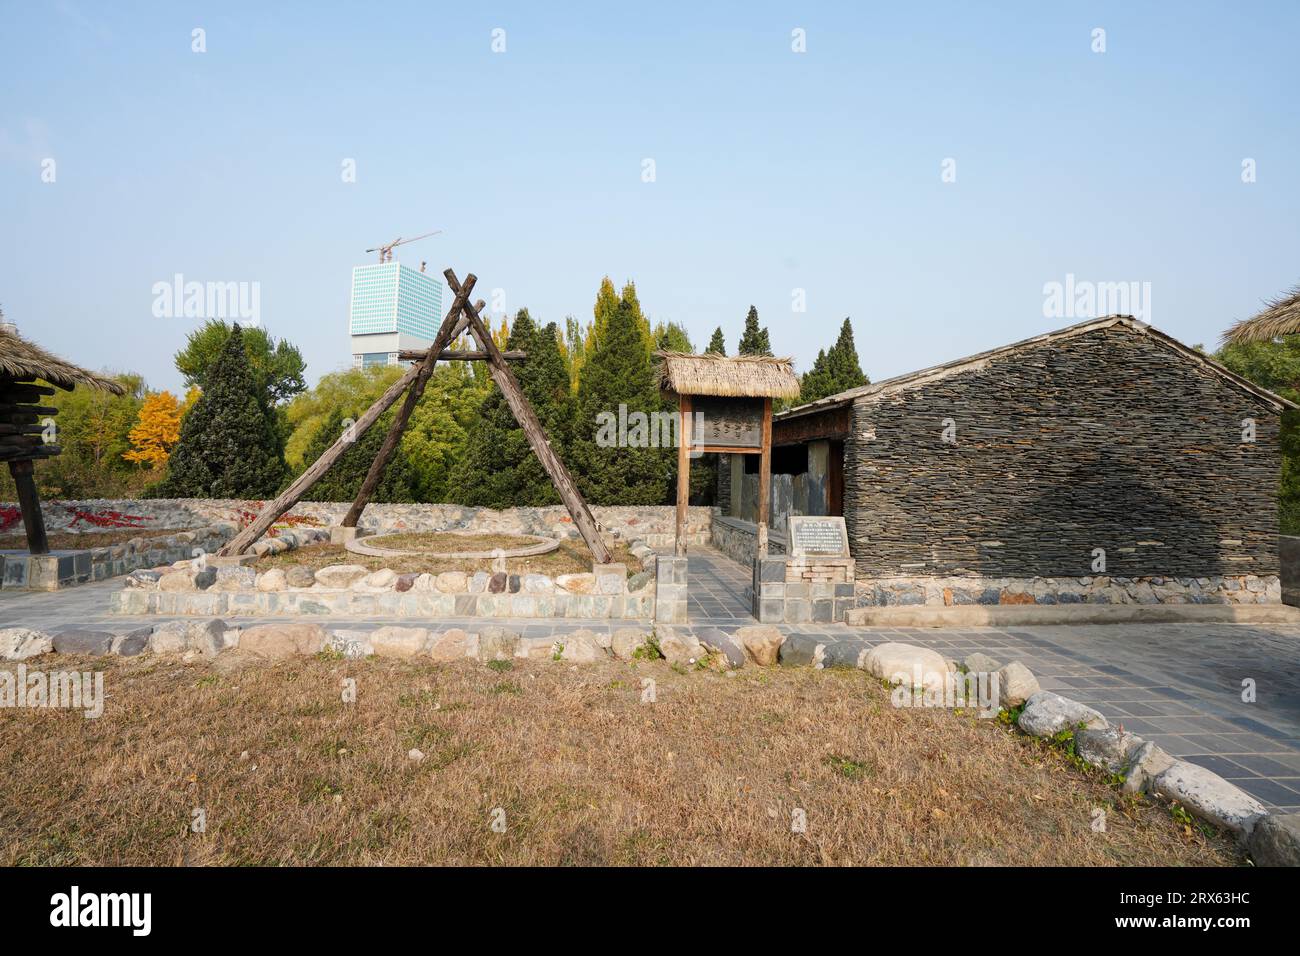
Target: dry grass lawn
{"points": [[584, 772], [572, 557]]}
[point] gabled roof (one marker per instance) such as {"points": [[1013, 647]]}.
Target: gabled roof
{"points": [[21, 360], [747, 376], [925, 376]]}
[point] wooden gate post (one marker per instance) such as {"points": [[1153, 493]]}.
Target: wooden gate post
{"points": [[765, 479], [683, 471]]}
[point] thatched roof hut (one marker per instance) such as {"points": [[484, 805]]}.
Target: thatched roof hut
{"points": [[741, 376], [1280, 317], [21, 360]]}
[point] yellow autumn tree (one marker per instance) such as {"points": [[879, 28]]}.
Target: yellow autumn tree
{"points": [[158, 428]]}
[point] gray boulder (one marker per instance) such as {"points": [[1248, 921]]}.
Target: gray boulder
{"points": [[1111, 749], [720, 642], [981, 664], [497, 644], [1046, 714], [1275, 841], [1210, 797], [81, 641], [20, 643], [1016, 684]]}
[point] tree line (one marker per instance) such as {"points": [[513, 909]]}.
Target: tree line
{"points": [[249, 425]]}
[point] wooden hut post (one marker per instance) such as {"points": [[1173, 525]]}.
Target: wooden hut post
{"points": [[30, 503], [683, 471], [765, 479]]}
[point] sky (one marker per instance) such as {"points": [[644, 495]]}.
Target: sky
{"points": [[927, 170]]}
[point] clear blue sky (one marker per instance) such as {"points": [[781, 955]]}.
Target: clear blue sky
{"points": [[775, 170]]}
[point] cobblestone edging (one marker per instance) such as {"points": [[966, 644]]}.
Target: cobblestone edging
{"points": [[238, 589], [1103, 589], [69, 568]]}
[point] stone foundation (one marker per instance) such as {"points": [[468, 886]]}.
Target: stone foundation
{"points": [[1102, 589], [61, 569], [802, 590], [671, 590]]}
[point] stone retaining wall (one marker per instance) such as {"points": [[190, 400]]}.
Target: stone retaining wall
{"points": [[67, 568], [737, 539], [1103, 589], [655, 524]]}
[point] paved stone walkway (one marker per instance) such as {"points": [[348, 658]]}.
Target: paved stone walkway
{"points": [[1177, 684]]}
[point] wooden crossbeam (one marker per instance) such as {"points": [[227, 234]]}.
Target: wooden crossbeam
{"points": [[459, 355]]}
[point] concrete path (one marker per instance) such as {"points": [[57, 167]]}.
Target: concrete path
{"points": [[1177, 684]]}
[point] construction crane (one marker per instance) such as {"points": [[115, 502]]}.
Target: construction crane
{"points": [[386, 251]]}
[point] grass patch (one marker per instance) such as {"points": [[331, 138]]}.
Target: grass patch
{"points": [[585, 773]]}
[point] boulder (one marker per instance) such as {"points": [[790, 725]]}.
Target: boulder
{"points": [[385, 579], [452, 582], [392, 641], [537, 584], [981, 664], [143, 578], [273, 580], [352, 644], [1145, 763], [1016, 683], [680, 647], [20, 643], [479, 582], [1210, 797], [280, 641], [208, 638], [498, 582], [340, 575], [133, 643], [176, 581], [205, 578], [576, 583], [906, 664], [425, 583], [299, 576], [82, 641], [235, 577], [720, 642], [1108, 748], [452, 644], [580, 647], [1275, 841], [405, 582], [625, 641], [762, 643], [497, 644], [1046, 714]]}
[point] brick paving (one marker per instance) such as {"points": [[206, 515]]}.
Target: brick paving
{"points": [[1177, 684]]}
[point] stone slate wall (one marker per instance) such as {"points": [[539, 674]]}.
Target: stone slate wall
{"points": [[1104, 440]]}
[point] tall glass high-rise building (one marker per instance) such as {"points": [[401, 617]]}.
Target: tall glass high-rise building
{"points": [[393, 308]]}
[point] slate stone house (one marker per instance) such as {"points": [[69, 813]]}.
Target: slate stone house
{"points": [[1105, 462]]}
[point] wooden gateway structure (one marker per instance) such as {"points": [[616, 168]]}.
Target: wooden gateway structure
{"points": [[461, 318], [725, 406], [26, 432]]}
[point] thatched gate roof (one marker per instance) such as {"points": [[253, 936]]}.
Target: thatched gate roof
{"points": [[1281, 317], [742, 376], [22, 360]]}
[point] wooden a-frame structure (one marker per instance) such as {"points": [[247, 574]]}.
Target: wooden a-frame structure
{"points": [[463, 317]]}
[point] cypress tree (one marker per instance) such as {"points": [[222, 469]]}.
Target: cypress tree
{"points": [[754, 340], [498, 468], [611, 468], [344, 478], [717, 344], [834, 371], [231, 444]]}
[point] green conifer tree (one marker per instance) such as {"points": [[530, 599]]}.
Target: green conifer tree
{"points": [[717, 344], [344, 478], [754, 340], [231, 444]]}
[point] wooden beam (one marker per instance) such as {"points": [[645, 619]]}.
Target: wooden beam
{"points": [[765, 479], [459, 355], [413, 396], [30, 502], [683, 472], [294, 493], [536, 435]]}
